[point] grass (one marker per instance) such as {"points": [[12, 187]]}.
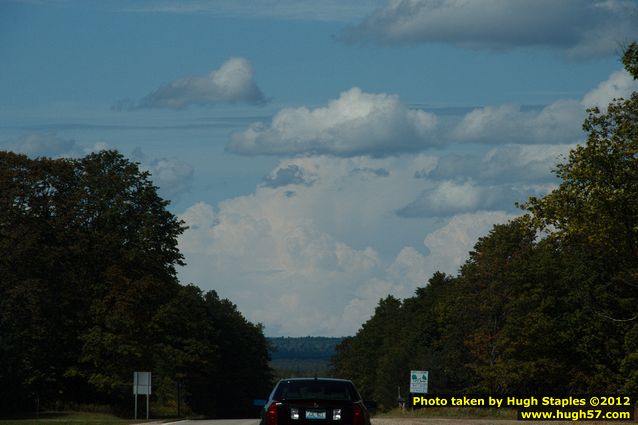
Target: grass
{"points": [[71, 418], [450, 412]]}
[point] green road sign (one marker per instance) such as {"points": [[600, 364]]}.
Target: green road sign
{"points": [[419, 381]]}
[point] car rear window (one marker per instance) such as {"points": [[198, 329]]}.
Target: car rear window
{"points": [[315, 390]]}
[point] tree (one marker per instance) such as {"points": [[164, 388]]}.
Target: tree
{"points": [[593, 216], [89, 294], [370, 358], [630, 59], [432, 339], [35, 299], [242, 373], [73, 232], [596, 203]]}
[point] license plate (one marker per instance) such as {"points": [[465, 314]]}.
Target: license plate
{"points": [[315, 414]]}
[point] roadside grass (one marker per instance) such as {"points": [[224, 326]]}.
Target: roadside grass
{"points": [[72, 418], [450, 412]]}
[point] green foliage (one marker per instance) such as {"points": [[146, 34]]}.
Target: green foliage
{"points": [[367, 358], [89, 294], [630, 59], [241, 373], [593, 215], [547, 303]]}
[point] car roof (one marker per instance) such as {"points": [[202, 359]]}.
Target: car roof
{"points": [[314, 379]]}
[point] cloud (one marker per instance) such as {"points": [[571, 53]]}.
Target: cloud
{"points": [[449, 246], [326, 255], [356, 123], [38, 144], [556, 123], [330, 10], [620, 84], [503, 164], [378, 172], [290, 175], [448, 198], [309, 256], [232, 82], [172, 176], [492, 180], [325, 235], [274, 264], [379, 125], [49, 145], [580, 28]]}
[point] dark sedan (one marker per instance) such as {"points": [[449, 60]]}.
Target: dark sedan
{"points": [[314, 401]]}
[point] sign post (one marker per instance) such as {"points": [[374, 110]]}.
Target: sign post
{"points": [[142, 385]]}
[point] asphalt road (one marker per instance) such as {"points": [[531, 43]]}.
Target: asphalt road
{"points": [[407, 421], [218, 422]]}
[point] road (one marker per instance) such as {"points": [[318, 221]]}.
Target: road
{"points": [[405, 421], [218, 422]]}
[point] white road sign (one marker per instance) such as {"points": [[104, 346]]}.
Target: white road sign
{"points": [[142, 383]]}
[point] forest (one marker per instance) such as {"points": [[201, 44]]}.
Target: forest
{"points": [[301, 356], [547, 303], [89, 294]]}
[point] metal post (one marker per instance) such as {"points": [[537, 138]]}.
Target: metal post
{"points": [[178, 400], [136, 390], [147, 404]]}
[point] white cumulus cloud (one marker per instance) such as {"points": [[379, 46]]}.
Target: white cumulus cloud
{"points": [[620, 84], [174, 177], [519, 164], [557, 123], [355, 123], [232, 82], [324, 253], [450, 245], [380, 125], [447, 198]]}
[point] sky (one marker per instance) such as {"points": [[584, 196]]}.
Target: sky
{"points": [[324, 153]]}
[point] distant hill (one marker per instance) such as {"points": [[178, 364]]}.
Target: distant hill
{"points": [[301, 356]]}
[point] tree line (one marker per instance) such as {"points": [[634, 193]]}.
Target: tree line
{"points": [[304, 347], [89, 294], [547, 303], [301, 356]]}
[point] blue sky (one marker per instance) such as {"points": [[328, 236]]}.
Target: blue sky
{"points": [[324, 153]]}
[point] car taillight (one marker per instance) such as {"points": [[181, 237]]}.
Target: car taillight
{"points": [[271, 414], [357, 415]]}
